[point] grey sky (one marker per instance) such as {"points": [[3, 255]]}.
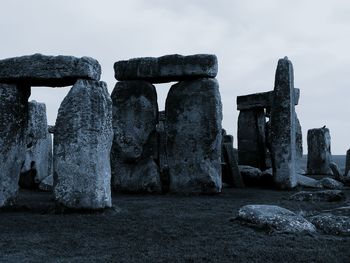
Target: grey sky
{"points": [[248, 36]]}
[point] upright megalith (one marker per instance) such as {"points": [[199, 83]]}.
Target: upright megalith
{"points": [[298, 145], [283, 134], [82, 143], [193, 127], [38, 161], [52, 71], [167, 68], [13, 122], [134, 151], [347, 163], [319, 154], [251, 138]]}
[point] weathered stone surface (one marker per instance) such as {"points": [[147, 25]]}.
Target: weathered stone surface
{"points": [[230, 172], [82, 144], [271, 217], [283, 135], [13, 122], [46, 184], [167, 68], [335, 170], [255, 177], [251, 138], [194, 115], [329, 183], [249, 172], [38, 160], [162, 153], [306, 181], [332, 224], [134, 150], [51, 71], [319, 154], [260, 100], [347, 163], [323, 196], [298, 145]]}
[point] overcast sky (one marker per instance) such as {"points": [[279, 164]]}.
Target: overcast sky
{"points": [[248, 36]]}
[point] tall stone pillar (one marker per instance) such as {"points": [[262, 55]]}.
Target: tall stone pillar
{"points": [[283, 132], [134, 150], [298, 144], [347, 164], [251, 138], [193, 127], [82, 144], [319, 154], [13, 124]]}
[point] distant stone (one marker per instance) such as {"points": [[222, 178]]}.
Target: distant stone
{"points": [[194, 136], [319, 152], [82, 144], [298, 145], [323, 196], [167, 68], [249, 172], [232, 175], [271, 217], [13, 122], [283, 135], [347, 163], [332, 224], [46, 184], [51, 71], [51, 129], [329, 183], [134, 150], [38, 161], [306, 181], [335, 170], [260, 100], [251, 138]]}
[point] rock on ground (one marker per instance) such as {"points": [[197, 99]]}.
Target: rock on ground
{"points": [[82, 144], [193, 121], [330, 183], [167, 68], [46, 184], [13, 122], [273, 217], [51, 71], [322, 196], [332, 224], [319, 154], [283, 131], [134, 150], [306, 181], [38, 160]]}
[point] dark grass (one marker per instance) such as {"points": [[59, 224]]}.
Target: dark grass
{"points": [[165, 228]]}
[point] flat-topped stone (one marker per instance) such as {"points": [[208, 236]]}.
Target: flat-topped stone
{"points": [[167, 68], [51, 71], [260, 100]]}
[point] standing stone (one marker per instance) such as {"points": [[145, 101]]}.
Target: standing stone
{"points": [[135, 114], [283, 135], [13, 122], [251, 138], [162, 152], [37, 164], [82, 144], [319, 154], [193, 126], [347, 163], [298, 145]]}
